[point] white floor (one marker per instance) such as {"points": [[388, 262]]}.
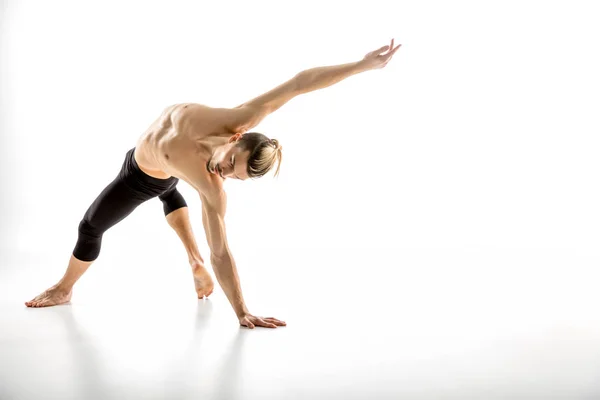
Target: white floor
{"points": [[449, 324]]}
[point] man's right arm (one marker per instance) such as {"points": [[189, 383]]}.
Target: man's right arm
{"points": [[213, 218], [223, 264]]}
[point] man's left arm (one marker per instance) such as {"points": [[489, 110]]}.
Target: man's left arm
{"points": [[249, 114]]}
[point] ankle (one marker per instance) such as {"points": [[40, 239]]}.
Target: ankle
{"points": [[63, 286], [195, 261]]}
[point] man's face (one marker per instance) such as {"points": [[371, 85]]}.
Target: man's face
{"points": [[229, 161]]}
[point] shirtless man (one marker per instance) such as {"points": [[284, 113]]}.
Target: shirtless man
{"points": [[202, 146]]}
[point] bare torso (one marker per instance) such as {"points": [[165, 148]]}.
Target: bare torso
{"points": [[179, 143]]}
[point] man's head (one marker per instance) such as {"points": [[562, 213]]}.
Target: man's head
{"points": [[250, 155]]}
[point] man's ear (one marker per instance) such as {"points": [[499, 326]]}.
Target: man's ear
{"points": [[235, 137]]}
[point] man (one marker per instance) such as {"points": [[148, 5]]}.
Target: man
{"points": [[202, 146]]}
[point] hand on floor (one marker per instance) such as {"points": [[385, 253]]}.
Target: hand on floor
{"points": [[251, 321]]}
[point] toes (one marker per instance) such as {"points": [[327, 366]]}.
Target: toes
{"points": [[46, 299], [39, 303], [203, 293]]}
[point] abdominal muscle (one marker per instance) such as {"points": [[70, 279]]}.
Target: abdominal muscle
{"points": [[153, 156]]}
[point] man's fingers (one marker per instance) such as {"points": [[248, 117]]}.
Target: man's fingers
{"points": [[265, 324], [248, 323], [275, 321], [389, 55], [253, 321], [380, 50], [272, 319]]}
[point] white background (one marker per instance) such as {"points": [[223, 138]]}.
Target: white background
{"points": [[452, 195]]}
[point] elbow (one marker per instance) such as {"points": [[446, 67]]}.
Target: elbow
{"points": [[302, 81]]}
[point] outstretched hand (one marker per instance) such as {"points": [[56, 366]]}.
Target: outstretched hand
{"points": [[251, 321], [375, 59]]}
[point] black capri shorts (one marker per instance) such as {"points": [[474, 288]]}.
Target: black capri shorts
{"points": [[129, 189]]}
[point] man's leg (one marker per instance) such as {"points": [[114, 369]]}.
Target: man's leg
{"points": [[116, 202], [61, 292], [177, 215]]}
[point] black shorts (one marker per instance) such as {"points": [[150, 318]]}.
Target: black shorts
{"points": [[125, 193]]}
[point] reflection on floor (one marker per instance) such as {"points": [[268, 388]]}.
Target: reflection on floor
{"points": [[415, 324]]}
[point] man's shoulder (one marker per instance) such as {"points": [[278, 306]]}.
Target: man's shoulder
{"points": [[223, 119], [213, 195], [206, 184]]}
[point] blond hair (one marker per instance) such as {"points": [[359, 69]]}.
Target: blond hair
{"points": [[264, 153]]}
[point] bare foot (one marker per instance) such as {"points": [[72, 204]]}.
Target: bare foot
{"points": [[51, 297], [202, 280]]}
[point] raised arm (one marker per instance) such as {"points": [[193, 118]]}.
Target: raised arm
{"points": [[223, 264], [249, 114], [322, 77]]}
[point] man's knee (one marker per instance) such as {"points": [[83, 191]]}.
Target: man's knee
{"points": [[87, 229], [173, 200], [89, 242]]}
